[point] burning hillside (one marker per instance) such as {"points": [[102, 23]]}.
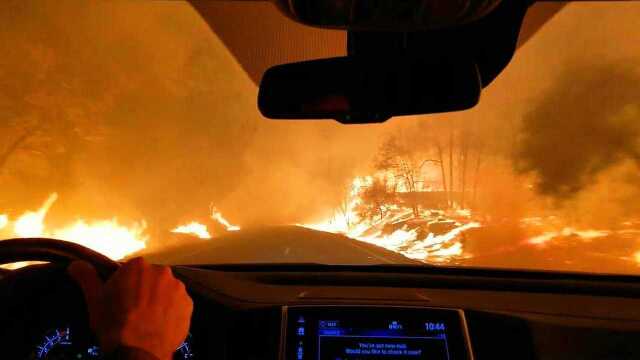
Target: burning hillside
{"points": [[383, 210], [106, 236], [543, 173], [431, 236]]}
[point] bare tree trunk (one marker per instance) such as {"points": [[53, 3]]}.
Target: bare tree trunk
{"points": [[412, 193], [442, 171], [415, 209], [476, 175], [463, 177], [451, 164], [4, 157]]}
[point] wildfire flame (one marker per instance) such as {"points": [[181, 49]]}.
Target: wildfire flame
{"points": [[193, 228], [31, 223], [200, 230], [404, 240], [4, 221], [585, 235], [400, 230], [108, 237], [217, 216]]}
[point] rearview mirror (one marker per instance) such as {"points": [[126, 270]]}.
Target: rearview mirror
{"points": [[388, 15], [358, 90]]}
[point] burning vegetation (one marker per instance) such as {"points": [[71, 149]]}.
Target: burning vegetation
{"points": [[108, 237], [560, 193], [130, 125]]}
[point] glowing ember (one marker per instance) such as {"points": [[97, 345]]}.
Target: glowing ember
{"points": [[217, 216], [407, 242], [440, 247], [591, 234], [585, 235], [200, 230], [393, 241], [193, 228], [453, 250], [543, 238]]}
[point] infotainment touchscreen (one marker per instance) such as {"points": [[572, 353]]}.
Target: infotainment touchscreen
{"points": [[374, 333]]}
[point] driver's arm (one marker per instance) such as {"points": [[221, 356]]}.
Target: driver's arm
{"points": [[142, 312]]}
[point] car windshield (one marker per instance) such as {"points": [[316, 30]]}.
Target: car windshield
{"points": [[131, 127]]}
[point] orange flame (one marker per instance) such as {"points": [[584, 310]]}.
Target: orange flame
{"points": [[346, 220], [193, 228], [200, 230], [31, 223], [404, 240], [217, 216], [4, 221], [585, 235], [105, 236]]}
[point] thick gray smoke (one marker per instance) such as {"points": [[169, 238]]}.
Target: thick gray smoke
{"points": [[587, 122]]}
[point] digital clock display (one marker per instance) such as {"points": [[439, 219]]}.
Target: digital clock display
{"points": [[372, 333]]}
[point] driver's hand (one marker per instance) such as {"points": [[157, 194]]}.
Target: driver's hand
{"points": [[141, 306]]}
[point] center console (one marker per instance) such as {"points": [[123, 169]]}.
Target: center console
{"points": [[373, 333]]}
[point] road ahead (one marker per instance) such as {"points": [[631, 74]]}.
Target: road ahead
{"points": [[281, 244], [489, 246]]}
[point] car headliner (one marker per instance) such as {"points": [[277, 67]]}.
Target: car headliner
{"points": [[259, 36]]}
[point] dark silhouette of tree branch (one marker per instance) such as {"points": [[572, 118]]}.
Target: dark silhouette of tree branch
{"points": [[15, 145]]}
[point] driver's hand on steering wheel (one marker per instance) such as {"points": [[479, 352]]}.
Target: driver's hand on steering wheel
{"points": [[141, 308]]}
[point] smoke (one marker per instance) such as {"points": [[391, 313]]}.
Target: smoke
{"points": [[608, 201], [137, 110], [134, 118], [588, 121]]}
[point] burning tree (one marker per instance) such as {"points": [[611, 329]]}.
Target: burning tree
{"points": [[437, 156], [375, 200], [405, 163]]}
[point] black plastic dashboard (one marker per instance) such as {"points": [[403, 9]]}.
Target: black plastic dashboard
{"points": [[365, 313], [252, 312]]}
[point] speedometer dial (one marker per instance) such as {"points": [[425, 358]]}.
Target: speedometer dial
{"points": [[59, 344], [63, 344], [185, 350]]}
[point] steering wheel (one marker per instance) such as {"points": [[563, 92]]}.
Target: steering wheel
{"points": [[41, 304], [54, 251]]}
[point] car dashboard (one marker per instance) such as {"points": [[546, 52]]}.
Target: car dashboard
{"points": [[352, 313], [321, 312]]}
